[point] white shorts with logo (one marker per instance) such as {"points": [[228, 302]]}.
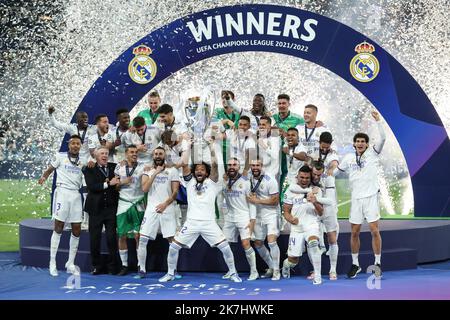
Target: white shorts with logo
{"points": [[233, 229], [266, 226], [365, 208], [153, 222], [298, 240], [192, 229], [67, 205]]}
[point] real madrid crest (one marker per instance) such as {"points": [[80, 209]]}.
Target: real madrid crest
{"points": [[364, 67], [142, 68]]}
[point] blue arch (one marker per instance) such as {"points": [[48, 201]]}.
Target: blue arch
{"points": [[393, 91]]}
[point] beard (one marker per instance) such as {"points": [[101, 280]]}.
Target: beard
{"points": [[158, 162], [256, 173], [232, 173]]}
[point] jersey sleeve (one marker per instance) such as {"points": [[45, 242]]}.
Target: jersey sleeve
{"points": [[273, 187], [250, 144], [56, 161], [288, 197], [66, 127], [117, 170], [174, 175], [91, 141], [343, 166]]}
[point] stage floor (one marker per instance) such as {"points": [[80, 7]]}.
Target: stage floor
{"points": [[406, 243], [430, 281]]}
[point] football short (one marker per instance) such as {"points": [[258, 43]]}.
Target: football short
{"points": [[67, 205]]}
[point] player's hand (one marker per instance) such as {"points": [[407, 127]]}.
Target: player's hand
{"points": [[311, 198], [148, 167], [330, 172], [319, 123], [132, 129], [294, 221], [282, 132], [252, 198], [159, 169], [225, 177], [91, 164], [142, 148], [117, 142], [315, 190], [262, 144], [245, 173], [51, 110], [126, 181], [375, 115], [161, 207], [286, 150], [228, 122], [114, 181], [42, 180]]}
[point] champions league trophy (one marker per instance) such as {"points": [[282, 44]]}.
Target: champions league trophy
{"points": [[198, 111]]}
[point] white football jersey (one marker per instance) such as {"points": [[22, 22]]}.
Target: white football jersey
{"points": [[326, 180], [179, 126], [238, 146], [71, 129], [254, 119], [310, 139], [150, 138], [267, 188], [173, 154], [293, 164], [271, 155], [363, 173], [236, 200], [161, 188], [301, 209], [94, 141], [133, 191], [201, 198], [68, 171], [119, 151]]}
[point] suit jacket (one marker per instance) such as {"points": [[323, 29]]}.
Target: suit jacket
{"points": [[97, 197]]}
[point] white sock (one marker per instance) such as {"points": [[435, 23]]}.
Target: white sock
{"points": [[54, 244], [251, 258], [227, 255], [355, 259], [316, 256], [172, 258], [73, 248], [333, 253], [142, 252], [275, 254], [265, 255], [321, 237], [378, 259], [124, 257], [288, 264]]}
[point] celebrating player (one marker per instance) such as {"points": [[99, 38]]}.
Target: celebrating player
{"points": [[67, 202]]}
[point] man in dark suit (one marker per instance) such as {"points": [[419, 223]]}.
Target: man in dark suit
{"points": [[101, 204]]}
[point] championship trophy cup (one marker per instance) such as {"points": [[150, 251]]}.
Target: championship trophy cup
{"points": [[198, 112]]}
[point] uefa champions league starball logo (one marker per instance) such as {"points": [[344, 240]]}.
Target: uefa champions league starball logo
{"points": [[364, 67], [142, 69]]}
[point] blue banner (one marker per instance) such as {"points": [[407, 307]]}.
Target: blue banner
{"points": [[269, 28]]}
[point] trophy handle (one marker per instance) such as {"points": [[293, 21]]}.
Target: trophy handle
{"points": [[270, 108], [212, 108]]}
